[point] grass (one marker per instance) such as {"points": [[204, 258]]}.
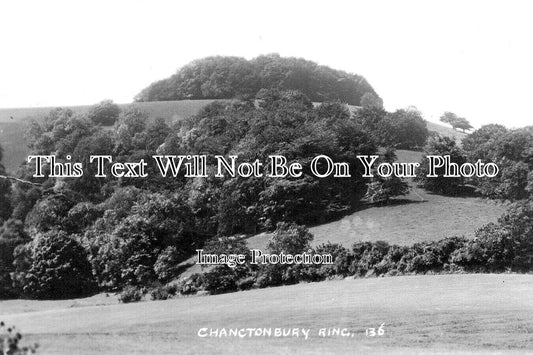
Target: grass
{"points": [[416, 217], [446, 131], [422, 314]]}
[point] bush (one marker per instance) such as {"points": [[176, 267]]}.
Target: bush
{"points": [[164, 292], [341, 259], [220, 279], [190, 285], [367, 255], [130, 294]]}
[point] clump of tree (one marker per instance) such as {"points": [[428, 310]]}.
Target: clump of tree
{"points": [[233, 77], [401, 129], [512, 151], [104, 113], [56, 267], [441, 146], [455, 121], [12, 235], [381, 189]]}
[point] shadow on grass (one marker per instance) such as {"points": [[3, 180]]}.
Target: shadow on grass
{"points": [[461, 191], [396, 202]]}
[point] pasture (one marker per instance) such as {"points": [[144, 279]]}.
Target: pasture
{"points": [[440, 314]]}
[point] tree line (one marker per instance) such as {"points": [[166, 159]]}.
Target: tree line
{"points": [[68, 237]]}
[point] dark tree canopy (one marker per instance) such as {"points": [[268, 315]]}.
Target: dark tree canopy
{"points": [[233, 77], [442, 146], [512, 151], [104, 113]]}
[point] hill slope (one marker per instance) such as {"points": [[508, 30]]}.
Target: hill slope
{"points": [[421, 314], [446, 131]]}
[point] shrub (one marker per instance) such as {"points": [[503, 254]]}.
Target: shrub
{"points": [[190, 285], [367, 255], [130, 294], [341, 259], [164, 292], [220, 279]]}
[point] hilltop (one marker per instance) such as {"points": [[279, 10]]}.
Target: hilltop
{"points": [[222, 77]]}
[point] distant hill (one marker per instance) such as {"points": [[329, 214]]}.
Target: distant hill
{"points": [[230, 77]]}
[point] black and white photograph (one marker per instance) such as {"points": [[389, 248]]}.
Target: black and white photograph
{"points": [[274, 177]]}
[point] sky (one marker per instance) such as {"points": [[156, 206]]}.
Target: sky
{"points": [[474, 58]]}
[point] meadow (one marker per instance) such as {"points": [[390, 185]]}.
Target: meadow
{"points": [[421, 314]]}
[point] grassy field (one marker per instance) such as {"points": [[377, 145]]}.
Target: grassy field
{"points": [[422, 314]]}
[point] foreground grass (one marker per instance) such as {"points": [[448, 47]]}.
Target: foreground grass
{"points": [[422, 314]]}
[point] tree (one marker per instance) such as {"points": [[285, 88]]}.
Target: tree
{"points": [[463, 124], [369, 100], [512, 151], [104, 113], [403, 129], [456, 121], [129, 128], [441, 145], [5, 189], [59, 268], [290, 238], [11, 235], [381, 189], [49, 213]]}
